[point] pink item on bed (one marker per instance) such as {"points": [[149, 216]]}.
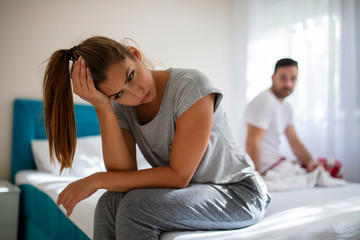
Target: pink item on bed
{"points": [[332, 165]]}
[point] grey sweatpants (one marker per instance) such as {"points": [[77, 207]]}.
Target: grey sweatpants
{"points": [[146, 213]]}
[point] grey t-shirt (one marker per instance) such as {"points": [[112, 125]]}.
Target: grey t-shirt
{"points": [[223, 161]]}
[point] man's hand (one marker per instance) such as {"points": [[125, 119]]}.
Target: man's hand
{"points": [[311, 166]]}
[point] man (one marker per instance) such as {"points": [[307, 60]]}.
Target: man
{"points": [[268, 116]]}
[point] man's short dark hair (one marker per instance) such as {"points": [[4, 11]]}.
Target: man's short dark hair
{"points": [[284, 62]]}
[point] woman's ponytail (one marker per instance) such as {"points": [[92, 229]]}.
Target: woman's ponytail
{"points": [[59, 113]]}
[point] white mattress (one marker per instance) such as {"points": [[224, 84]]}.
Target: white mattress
{"points": [[317, 213]]}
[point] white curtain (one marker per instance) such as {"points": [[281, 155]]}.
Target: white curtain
{"points": [[323, 36], [347, 111]]}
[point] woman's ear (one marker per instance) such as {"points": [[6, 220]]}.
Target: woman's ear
{"points": [[135, 52]]}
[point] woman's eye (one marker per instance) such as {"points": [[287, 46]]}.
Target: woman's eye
{"points": [[118, 95], [131, 76]]}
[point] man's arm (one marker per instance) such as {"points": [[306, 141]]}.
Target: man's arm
{"points": [[299, 149], [253, 138]]}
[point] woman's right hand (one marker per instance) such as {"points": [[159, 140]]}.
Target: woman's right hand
{"points": [[84, 87]]}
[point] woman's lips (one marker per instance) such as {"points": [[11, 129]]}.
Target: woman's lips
{"points": [[147, 96]]}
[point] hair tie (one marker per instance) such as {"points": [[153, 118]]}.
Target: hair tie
{"points": [[70, 53]]}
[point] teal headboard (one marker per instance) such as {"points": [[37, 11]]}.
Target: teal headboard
{"points": [[28, 124]]}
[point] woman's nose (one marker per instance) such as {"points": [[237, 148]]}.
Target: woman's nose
{"points": [[137, 91]]}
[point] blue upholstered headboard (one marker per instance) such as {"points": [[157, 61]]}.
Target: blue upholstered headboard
{"points": [[28, 124]]}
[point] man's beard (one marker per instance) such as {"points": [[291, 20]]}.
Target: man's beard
{"points": [[283, 92]]}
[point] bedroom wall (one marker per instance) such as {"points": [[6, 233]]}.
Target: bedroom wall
{"points": [[195, 34]]}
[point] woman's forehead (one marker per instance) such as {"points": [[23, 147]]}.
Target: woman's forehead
{"points": [[117, 70], [116, 76]]}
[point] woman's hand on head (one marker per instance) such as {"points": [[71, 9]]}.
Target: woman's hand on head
{"points": [[84, 87]]}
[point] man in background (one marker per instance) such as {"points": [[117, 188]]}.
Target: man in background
{"points": [[269, 115]]}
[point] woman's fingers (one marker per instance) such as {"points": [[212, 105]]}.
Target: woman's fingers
{"points": [[67, 201], [89, 80], [58, 202], [63, 196], [83, 84], [70, 207], [83, 74], [79, 77], [75, 77]]}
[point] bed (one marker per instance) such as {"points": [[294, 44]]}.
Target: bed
{"points": [[314, 213]]}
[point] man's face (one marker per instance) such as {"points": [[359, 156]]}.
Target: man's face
{"points": [[284, 81]]}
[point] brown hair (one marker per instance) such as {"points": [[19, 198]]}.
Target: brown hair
{"points": [[99, 53]]}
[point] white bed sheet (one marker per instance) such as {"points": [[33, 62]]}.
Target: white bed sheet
{"points": [[316, 213]]}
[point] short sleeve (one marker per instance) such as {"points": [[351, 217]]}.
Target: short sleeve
{"points": [[258, 113], [191, 90], [120, 115]]}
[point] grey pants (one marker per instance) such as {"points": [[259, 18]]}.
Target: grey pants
{"points": [[146, 213]]}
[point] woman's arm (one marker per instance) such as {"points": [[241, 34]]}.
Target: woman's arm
{"points": [[118, 145], [193, 129]]}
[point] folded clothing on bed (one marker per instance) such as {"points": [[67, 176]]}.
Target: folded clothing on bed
{"points": [[287, 175], [332, 165]]}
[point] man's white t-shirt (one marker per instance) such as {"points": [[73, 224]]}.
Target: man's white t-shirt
{"points": [[267, 112]]}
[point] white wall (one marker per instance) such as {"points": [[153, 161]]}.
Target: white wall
{"points": [[186, 33]]}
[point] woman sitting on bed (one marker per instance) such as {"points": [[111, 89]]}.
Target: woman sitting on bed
{"points": [[199, 179]]}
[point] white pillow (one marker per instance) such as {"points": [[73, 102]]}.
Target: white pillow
{"points": [[140, 160], [88, 157]]}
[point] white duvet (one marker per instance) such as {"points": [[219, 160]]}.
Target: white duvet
{"points": [[315, 213]]}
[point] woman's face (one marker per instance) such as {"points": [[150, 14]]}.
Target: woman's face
{"points": [[129, 83]]}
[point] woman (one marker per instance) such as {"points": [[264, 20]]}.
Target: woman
{"points": [[199, 180]]}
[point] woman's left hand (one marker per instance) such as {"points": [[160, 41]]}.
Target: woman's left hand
{"points": [[76, 192]]}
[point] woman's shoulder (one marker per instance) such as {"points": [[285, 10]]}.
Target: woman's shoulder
{"points": [[188, 77], [187, 86], [186, 72]]}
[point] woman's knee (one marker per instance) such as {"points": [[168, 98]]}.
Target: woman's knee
{"points": [[136, 214], [105, 212], [135, 203], [108, 203]]}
